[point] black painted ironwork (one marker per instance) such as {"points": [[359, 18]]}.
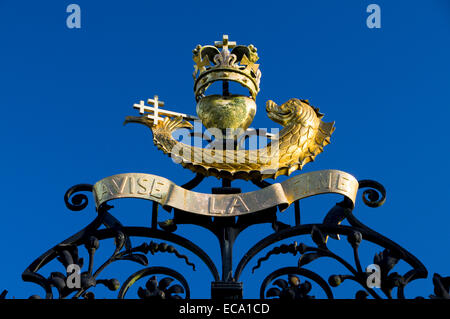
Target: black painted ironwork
{"points": [[287, 282]]}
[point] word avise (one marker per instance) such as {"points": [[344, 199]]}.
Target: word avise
{"points": [[133, 184]]}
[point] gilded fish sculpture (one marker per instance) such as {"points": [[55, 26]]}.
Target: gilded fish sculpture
{"points": [[302, 138]]}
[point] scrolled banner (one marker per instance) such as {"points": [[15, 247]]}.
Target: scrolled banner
{"points": [[168, 194]]}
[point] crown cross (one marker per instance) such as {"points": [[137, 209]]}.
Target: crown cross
{"points": [[250, 64], [200, 64], [225, 43]]}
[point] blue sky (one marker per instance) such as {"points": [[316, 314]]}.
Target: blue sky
{"points": [[64, 94]]}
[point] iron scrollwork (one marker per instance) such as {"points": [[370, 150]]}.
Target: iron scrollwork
{"points": [[392, 253], [289, 282], [154, 289], [67, 253], [227, 211]]}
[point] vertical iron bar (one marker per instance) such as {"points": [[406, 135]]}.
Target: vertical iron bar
{"points": [[226, 182], [226, 245], [155, 215], [297, 212], [225, 88]]}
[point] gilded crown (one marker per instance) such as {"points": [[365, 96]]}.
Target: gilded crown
{"points": [[237, 65]]}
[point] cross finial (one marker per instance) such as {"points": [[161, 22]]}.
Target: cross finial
{"points": [[225, 44], [156, 103], [156, 112]]}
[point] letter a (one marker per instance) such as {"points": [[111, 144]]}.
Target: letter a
{"points": [[74, 19], [374, 276], [374, 20], [73, 280]]}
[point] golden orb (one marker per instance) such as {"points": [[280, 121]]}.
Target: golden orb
{"points": [[234, 112]]}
